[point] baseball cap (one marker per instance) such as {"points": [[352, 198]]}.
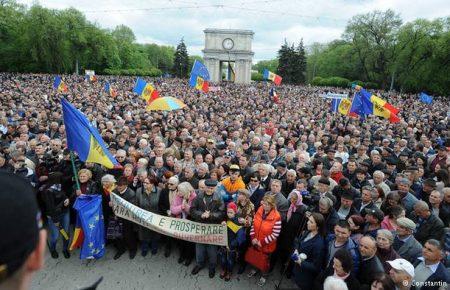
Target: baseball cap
{"points": [[402, 265], [234, 167], [17, 203]]}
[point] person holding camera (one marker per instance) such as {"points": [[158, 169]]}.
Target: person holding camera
{"points": [[309, 254]]}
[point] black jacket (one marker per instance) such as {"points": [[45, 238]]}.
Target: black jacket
{"points": [[53, 202], [367, 271], [215, 206], [431, 228]]}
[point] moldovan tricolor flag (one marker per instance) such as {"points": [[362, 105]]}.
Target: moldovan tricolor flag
{"points": [[199, 77], [84, 139], [268, 75], [145, 90], [59, 85]]}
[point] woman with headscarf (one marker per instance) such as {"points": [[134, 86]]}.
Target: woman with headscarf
{"points": [[294, 225]]}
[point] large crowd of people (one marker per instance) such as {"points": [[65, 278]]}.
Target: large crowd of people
{"points": [[328, 200]]}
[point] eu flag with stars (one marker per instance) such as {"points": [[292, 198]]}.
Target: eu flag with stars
{"points": [[426, 99], [90, 215]]}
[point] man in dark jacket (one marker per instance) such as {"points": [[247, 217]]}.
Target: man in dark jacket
{"points": [[366, 200], [430, 226], [404, 242], [207, 207], [370, 264], [256, 190], [429, 270], [129, 236], [341, 240]]}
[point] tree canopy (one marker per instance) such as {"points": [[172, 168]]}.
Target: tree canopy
{"points": [[56, 41]]}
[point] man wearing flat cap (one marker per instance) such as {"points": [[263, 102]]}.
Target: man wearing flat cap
{"points": [[404, 242], [208, 207]]}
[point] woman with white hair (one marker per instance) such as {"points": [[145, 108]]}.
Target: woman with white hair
{"points": [[179, 208], [385, 251], [168, 194]]}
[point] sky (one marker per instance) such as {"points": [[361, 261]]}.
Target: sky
{"points": [[165, 22]]}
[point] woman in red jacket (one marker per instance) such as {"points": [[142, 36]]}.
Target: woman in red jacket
{"points": [[265, 230]]}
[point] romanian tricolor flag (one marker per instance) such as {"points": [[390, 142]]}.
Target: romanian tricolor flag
{"points": [[59, 85], [78, 236], [84, 139], [344, 106], [375, 105], [273, 94], [199, 77], [145, 90], [109, 90], [268, 75], [91, 78]]}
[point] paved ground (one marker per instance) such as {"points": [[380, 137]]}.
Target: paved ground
{"points": [[151, 272]]}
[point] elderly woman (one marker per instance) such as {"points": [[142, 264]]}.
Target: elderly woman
{"points": [[108, 184], [167, 196], [295, 223], [385, 251], [87, 185], [265, 230], [392, 199], [179, 208], [147, 198]]}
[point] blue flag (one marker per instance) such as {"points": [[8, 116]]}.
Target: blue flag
{"points": [[424, 98], [84, 139], [335, 105], [90, 215], [199, 77]]}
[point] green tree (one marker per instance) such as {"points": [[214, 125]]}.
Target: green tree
{"points": [[299, 64], [373, 36], [271, 65], [181, 61]]}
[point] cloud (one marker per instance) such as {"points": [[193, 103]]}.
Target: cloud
{"points": [[167, 21]]}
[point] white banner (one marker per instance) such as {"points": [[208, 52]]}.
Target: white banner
{"points": [[214, 234], [334, 96]]}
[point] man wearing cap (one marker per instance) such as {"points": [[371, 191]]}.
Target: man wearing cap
{"points": [[22, 245], [430, 226], [439, 158], [428, 186], [374, 217], [346, 208], [281, 170], [329, 158], [230, 185], [401, 273], [404, 242], [429, 268], [322, 190], [207, 207]]}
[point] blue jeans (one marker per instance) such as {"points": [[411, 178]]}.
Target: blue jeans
{"points": [[203, 250], [227, 259], [63, 220]]}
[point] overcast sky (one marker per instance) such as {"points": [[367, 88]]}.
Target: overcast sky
{"points": [[166, 21]]}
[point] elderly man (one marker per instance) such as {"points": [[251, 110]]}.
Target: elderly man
{"points": [[429, 271], [378, 180], [370, 263], [207, 207], [401, 273], [289, 183], [408, 200], [281, 202], [429, 225], [404, 242]]}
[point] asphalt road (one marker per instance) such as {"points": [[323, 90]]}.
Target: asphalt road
{"points": [[151, 272]]}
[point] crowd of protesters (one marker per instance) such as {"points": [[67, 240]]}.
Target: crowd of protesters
{"points": [[328, 200]]}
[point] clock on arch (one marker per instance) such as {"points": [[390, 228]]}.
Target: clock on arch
{"points": [[228, 43]]}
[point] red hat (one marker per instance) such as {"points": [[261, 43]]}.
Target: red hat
{"points": [[233, 206]]}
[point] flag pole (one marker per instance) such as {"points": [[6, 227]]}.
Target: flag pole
{"points": [[75, 173]]}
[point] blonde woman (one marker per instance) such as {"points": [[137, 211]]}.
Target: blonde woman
{"points": [[179, 208]]}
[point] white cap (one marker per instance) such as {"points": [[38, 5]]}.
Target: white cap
{"points": [[403, 265]]}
